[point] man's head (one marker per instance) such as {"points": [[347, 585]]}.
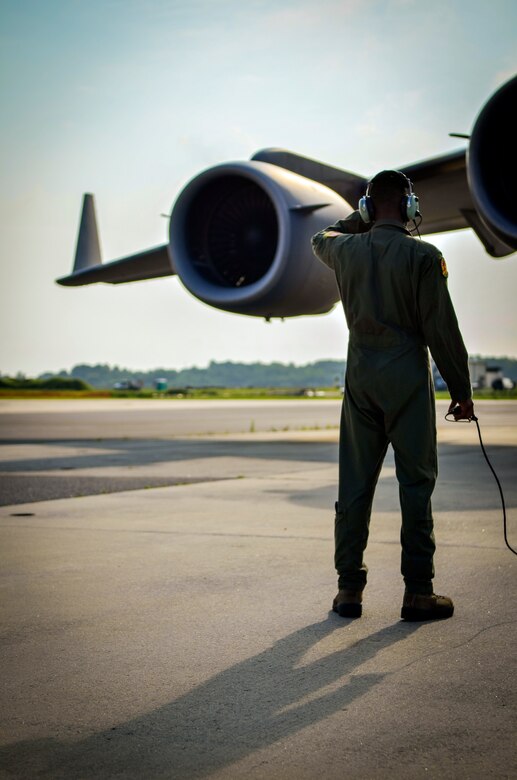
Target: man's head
{"points": [[389, 195]]}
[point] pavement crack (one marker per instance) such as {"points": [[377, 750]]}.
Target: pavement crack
{"points": [[453, 647], [165, 532]]}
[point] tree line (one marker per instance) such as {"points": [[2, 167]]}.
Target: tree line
{"points": [[321, 373]]}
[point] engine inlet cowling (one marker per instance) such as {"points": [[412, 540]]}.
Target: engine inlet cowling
{"points": [[492, 163], [240, 240]]}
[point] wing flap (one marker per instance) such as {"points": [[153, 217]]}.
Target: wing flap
{"points": [[442, 187]]}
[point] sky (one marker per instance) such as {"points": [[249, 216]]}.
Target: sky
{"points": [[130, 99]]}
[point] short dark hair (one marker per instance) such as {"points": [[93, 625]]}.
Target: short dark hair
{"points": [[388, 186]]}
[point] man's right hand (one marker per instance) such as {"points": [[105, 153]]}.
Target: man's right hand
{"points": [[465, 409]]}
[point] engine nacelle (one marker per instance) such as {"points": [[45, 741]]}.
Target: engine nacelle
{"points": [[492, 164], [240, 240]]}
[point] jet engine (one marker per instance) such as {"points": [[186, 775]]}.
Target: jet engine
{"points": [[240, 240], [492, 164]]}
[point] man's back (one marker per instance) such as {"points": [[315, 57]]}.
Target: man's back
{"points": [[378, 274], [394, 292]]}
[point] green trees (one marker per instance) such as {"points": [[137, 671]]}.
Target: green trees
{"points": [[323, 373], [51, 383]]}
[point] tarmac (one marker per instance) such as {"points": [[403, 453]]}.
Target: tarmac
{"points": [[174, 620]]}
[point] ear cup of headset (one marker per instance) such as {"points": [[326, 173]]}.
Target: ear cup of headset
{"points": [[366, 209], [410, 206]]}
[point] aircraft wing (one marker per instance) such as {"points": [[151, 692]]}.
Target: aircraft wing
{"points": [[149, 264], [446, 202], [440, 182]]}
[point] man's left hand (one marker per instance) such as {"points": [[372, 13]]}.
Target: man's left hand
{"points": [[465, 409]]}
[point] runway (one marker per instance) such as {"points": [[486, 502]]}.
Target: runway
{"points": [[166, 589], [60, 449], [158, 418]]}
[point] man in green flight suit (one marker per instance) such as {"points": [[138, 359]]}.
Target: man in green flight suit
{"points": [[394, 293]]}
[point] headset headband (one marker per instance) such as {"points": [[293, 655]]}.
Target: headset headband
{"points": [[402, 178]]}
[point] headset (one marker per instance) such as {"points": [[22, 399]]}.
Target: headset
{"points": [[408, 205]]}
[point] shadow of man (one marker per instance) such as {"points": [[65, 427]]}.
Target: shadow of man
{"points": [[245, 708]]}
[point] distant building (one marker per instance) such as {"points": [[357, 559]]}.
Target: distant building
{"points": [[493, 376], [483, 375], [477, 370]]}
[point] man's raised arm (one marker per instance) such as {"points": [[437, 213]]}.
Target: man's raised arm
{"points": [[322, 241]]}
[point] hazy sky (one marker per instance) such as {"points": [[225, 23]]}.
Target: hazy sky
{"points": [[129, 99]]}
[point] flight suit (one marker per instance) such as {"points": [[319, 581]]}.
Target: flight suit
{"points": [[394, 292]]}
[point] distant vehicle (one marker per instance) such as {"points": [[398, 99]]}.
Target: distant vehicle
{"points": [[503, 383], [128, 384]]}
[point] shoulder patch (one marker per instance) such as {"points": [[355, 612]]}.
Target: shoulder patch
{"points": [[331, 234], [443, 264]]}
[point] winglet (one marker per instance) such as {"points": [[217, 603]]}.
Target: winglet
{"points": [[88, 250], [89, 268]]}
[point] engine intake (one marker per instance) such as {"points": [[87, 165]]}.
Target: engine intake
{"points": [[492, 164], [232, 232], [240, 240]]}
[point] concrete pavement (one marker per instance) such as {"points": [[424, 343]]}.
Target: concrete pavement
{"points": [[184, 631]]}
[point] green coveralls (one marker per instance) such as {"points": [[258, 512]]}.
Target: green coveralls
{"points": [[394, 293]]}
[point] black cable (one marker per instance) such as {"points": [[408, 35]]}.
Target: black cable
{"points": [[498, 485], [417, 225], [475, 419]]}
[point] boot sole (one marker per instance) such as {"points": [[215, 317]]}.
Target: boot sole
{"points": [[349, 610], [413, 614]]}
